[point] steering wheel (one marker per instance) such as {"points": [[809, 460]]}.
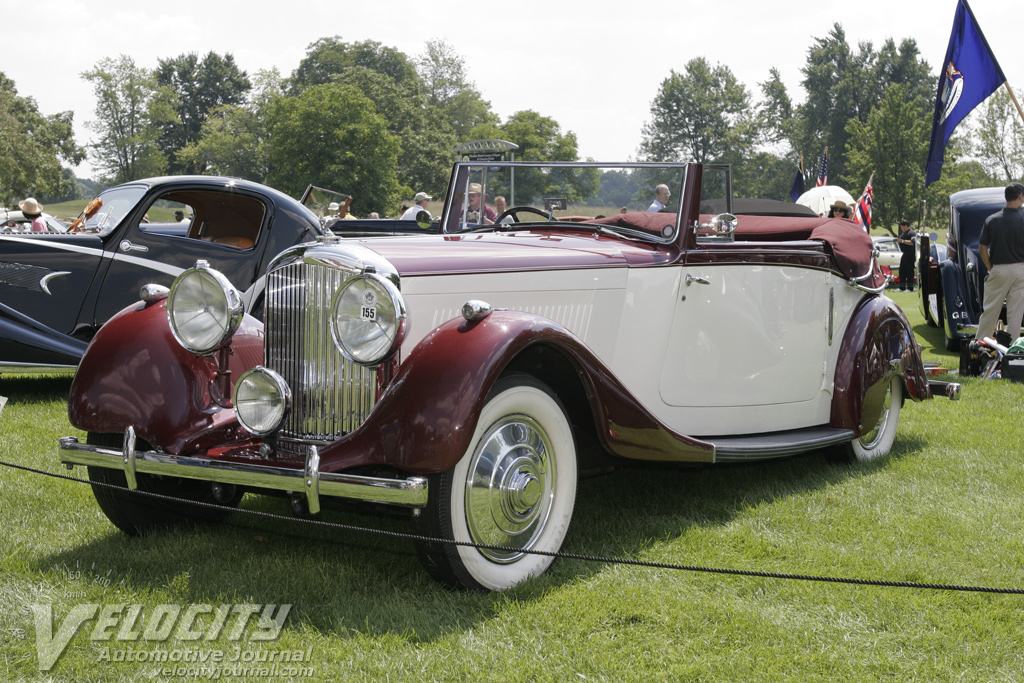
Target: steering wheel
{"points": [[514, 211]]}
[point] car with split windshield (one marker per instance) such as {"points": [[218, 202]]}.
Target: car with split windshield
{"points": [[467, 379], [57, 288]]}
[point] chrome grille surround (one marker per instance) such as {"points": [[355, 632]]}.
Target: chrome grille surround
{"points": [[331, 395]]}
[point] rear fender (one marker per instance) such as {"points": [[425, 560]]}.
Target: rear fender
{"points": [[134, 373], [878, 345], [426, 417]]}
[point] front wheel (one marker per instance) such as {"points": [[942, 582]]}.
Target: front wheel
{"points": [[878, 441], [136, 514], [515, 487]]}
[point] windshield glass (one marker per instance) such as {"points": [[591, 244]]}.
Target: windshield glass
{"points": [[110, 207], [612, 195]]}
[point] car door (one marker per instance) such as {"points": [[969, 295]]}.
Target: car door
{"points": [[749, 330], [224, 226]]}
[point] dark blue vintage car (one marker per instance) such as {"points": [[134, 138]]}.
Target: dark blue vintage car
{"points": [[57, 289], [953, 279]]}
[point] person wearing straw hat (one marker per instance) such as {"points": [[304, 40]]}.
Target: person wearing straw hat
{"points": [[839, 209], [30, 208]]}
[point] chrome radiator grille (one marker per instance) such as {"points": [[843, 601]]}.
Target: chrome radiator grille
{"points": [[331, 396]]}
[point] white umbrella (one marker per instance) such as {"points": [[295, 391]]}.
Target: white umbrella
{"points": [[821, 197]]}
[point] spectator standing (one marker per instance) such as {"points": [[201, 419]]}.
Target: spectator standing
{"points": [[30, 208], [661, 195], [1001, 246], [906, 241], [419, 203], [500, 206]]}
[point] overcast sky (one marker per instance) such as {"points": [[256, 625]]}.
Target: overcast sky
{"points": [[592, 66]]}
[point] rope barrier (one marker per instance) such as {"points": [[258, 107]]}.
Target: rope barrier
{"points": [[563, 555]]}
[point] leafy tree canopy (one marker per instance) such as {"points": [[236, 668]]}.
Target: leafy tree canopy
{"points": [[200, 86], [331, 136], [698, 115], [328, 57], [32, 147]]}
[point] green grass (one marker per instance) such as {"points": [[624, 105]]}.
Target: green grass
{"points": [[944, 507]]}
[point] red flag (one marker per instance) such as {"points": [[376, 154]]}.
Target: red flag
{"points": [[862, 209]]}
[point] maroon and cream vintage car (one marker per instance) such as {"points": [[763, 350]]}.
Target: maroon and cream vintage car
{"points": [[468, 377]]}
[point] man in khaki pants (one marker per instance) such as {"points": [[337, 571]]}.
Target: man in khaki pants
{"points": [[1001, 246]]}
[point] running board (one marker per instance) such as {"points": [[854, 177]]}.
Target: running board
{"points": [[777, 444]]}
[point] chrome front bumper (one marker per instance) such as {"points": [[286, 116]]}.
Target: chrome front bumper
{"points": [[410, 493]]}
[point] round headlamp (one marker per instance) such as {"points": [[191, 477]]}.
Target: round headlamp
{"points": [[262, 399], [203, 309], [368, 319]]}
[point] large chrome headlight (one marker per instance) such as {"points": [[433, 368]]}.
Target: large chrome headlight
{"points": [[368, 319], [262, 399], [204, 309]]}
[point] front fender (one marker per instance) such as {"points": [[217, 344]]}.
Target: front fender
{"points": [[24, 341], [135, 373], [426, 417], [878, 344], [958, 309]]}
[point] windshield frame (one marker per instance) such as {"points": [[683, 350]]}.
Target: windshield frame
{"points": [[109, 215], [457, 196]]}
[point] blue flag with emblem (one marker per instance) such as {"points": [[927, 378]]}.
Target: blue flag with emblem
{"points": [[970, 73]]}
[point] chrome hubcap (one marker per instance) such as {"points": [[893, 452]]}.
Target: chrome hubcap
{"points": [[509, 487], [871, 439]]}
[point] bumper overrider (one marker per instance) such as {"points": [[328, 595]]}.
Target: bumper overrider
{"points": [[309, 481]]}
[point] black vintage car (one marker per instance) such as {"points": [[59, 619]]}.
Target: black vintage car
{"points": [[953, 283], [57, 289]]}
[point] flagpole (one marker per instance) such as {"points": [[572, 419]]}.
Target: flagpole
{"points": [[1014, 98]]}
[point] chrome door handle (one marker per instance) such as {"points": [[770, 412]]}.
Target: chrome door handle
{"points": [[699, 280]]}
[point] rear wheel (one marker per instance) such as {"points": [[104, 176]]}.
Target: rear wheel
{"points": [[514, 487], [879, 439], [136, 514]]}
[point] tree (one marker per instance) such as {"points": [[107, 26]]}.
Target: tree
{"points": [[448, 89], [328, 57], [233, 139], [698, 115], [200, 87], [540, 138], [842, 86], [129, 110], [32, 147], [893, 145], [999, 139], [331, 136], [426, 137]]}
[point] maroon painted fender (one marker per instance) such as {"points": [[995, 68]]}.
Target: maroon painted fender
{"points": [[135, 373], [878, 344], [425, 419]]}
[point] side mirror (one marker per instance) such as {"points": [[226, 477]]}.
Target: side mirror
{"points": [[423, 220], [723, 224]]}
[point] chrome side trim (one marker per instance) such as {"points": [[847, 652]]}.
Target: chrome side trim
{"points": [[409, 493]]}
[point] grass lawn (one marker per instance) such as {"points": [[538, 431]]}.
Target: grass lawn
{"points": [[944, 507]]}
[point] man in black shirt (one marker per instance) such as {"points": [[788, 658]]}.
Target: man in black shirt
{"points": [[1001, 246], [906, 242]]}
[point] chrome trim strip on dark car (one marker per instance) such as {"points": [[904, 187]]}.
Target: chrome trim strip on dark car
{"points": [[409, 493]]}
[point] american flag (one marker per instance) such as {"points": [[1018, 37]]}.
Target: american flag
{"points": [[823, 171], [862, 209]]}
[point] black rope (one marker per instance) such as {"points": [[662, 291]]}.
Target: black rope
{"points": [[554, 554]]}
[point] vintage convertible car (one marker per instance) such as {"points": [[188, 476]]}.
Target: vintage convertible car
{"points": [[953, 288], [57, 289], [469, 377]]}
